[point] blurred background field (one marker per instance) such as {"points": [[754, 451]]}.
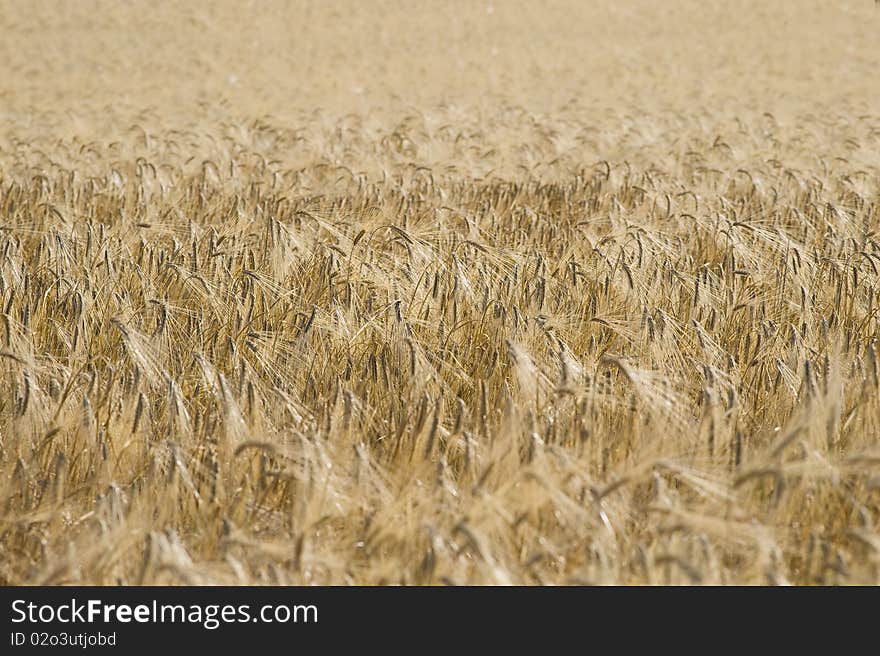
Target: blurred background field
{"points": [[626, 76]]}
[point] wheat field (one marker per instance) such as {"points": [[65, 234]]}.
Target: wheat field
{"points": [[440, 293]]}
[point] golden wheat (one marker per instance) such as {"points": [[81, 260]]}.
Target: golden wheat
{"points": [[507, 339]]}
